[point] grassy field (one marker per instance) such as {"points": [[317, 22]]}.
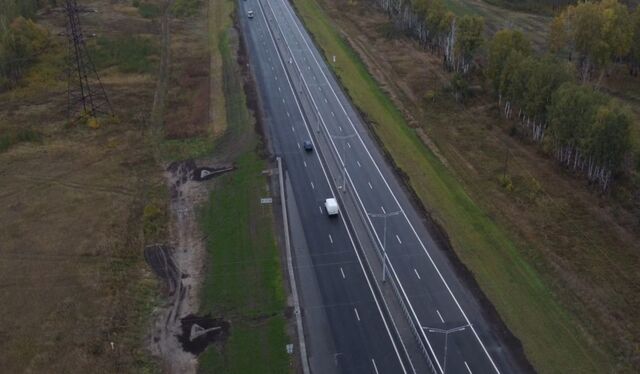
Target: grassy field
{"points": [[550, 335], [76, 292], [244, 282], [496, 18]]}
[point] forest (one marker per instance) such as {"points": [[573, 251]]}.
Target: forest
{"points": [[553, 95]]}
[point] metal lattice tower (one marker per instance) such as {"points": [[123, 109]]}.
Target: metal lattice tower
{"points": [[85, 94]]}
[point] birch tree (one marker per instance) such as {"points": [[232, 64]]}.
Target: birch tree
{"points": [[571, 113], [545, 77], [634, 52], [598, 31], [499, 48], [608, 142], [468, 40], [512, 82]]}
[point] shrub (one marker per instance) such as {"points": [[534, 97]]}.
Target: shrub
{"points": [[506, 182], [149, 10], [28, 135], [11, 138], [153, 218], [20, 45], [459, 87], [430, 97], [5, 142]]}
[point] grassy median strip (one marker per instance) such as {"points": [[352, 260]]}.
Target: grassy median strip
{"points": [[550, 336], [244, 282]]}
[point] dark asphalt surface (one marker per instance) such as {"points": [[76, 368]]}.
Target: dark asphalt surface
{"points": [[362, 340], [455, 331]]}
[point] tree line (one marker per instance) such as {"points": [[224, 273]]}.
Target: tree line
{"points": [[598, 34], [21, 39], [587, 130], [437, 28]]}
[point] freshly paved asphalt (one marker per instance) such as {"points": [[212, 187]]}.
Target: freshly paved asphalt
{"points": [[303, 101], [360, 338]]}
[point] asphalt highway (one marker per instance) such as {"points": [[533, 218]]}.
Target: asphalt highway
{"points": [[361, 338], [303, 101]]}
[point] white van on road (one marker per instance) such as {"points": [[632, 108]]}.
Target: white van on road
{"points": [[331, 205]]}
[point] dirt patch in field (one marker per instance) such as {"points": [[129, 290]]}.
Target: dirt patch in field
{"points": [[199, 332], [186, 258], [583, 244]]}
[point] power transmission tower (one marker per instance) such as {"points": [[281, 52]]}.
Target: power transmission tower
{"points": [[85, 94]]}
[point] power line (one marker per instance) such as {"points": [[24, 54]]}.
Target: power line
{"points": [[86, 96]]}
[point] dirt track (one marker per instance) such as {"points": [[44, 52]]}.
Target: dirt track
{"points": [[181, 265]]}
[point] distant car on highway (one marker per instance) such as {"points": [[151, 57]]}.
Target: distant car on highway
{"points": [[307, 145], [250, 14], [331, 205]]}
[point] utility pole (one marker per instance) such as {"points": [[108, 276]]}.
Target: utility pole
{"points": [[384, 216], [446, 339], [86, 97], [343, 166], [506, 160]]}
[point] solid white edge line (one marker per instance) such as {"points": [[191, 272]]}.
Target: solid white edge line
{"points": [[358, 196], [292, 281], [395, 198], [353, 244], [467, 365]]}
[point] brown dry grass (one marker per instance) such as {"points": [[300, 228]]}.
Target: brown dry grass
{"points": [[496, 18], [72, 276], [187, 113], [585, 246]]}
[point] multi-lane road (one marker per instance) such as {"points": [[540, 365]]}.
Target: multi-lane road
{"points": [[351, 326]]}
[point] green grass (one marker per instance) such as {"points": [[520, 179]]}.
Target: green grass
{"points": [[244, 281], [128, 53], [460, 7], [186, 8], [183, 149], [550, 336], [149, 10], [11, 138]]}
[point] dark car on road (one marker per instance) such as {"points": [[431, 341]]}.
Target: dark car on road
{"points": [[308, 146]]}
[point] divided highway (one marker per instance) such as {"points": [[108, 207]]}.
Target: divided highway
{"points": [[303, 101], [361, 339]]}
